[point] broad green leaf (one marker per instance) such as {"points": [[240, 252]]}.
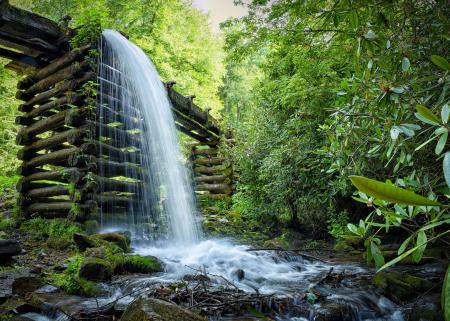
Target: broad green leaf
{"points": [[389, 192], [421, 244], [446, 168], [377, 255], [405, 64], [440, 62], [404, 245], [445, 112], [441, 143], [427, 114], [433, 225], [445, 297], [352, 228]]}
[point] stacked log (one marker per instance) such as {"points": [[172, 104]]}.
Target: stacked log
{"points": [[212, 171], [53, 119]]}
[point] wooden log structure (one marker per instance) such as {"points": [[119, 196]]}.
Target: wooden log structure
{"points": [[76, 159]]}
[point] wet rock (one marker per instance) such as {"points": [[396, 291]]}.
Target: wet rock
{"points": [[122, 240], [83, 242], [333, 311], [401, 287], [99, 252], [137, 264], [25, 284], [240, 274], [47, 289], [6, 281], [8, 249], [96, 269], [422, 313], [15, 305], [158, 310]]}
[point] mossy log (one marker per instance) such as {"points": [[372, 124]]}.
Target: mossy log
{"points": [[59, 63], [118, 138], [65, 175], [107, 168], [78, 116], [208, 161], [26, 134], [55, 190], [95, 183], [207, 196], [216, 188], [212, 179], [213, 170], [119, 201], [108, 116], [114, 153], [47, 143], [191, 134], [58, 90], [51, 158], [25, 201], [81, 135], [206, 152], [68, 99], [69, 72]]}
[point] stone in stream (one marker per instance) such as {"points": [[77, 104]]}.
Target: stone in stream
{"points": [[333, 311], [8, 249], [26, 284], [401, 287], [158, 310], [122, 240]]}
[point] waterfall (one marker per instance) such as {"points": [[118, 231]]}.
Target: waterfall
{"points": [[139, 142]]}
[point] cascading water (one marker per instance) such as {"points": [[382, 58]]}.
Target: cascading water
{"points": [[135, 113]]}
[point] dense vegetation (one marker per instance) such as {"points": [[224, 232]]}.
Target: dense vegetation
{"points": [[338, 88]]}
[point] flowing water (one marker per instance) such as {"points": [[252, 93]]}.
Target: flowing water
{"points": [[131, 94]]}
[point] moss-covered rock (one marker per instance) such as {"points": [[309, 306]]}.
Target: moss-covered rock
{"points": [[96, 269], [25, 284], [136, 264], [158, 310], [401, 286], [83, 241], [120, 239]]}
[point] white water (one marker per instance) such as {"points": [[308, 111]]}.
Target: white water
{"points": [[133, 88]]}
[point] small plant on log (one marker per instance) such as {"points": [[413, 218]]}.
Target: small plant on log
{"points": [[89, 32]]}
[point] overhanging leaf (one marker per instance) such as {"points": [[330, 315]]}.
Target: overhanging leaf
{"points": [[421, 244], [441, 143], [377, 255], [389, 192]]}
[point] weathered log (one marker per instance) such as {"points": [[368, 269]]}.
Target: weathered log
{"points": [[211, 170], [114, 153], [26, 133], [213, 196], [74, 55], [191, 134], [80, 159], [47, 143], [218, 188], [51, 158], [80, 135], [212, 179], [56, 190], [120, 201], [69, 72], [78, 116], [107, 168], [65, 175], [22, 187], [59, 89], [26, 121], [192, 124], [97, 183], [24, 201], [21, 58], [205, 152], [208, 161], [68, 98], [59, 207], [108, 116], [119, 137]]}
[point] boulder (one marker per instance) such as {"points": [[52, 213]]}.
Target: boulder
{"points": [[96, 269], [137, 264], [158, 310], [83, 242], [401, 287], [333, 311], [122, 240], [25, 284], [8, 249]]}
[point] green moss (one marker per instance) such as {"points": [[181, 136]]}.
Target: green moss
{"points": [[136, 264], [40, 228], [119, 239]]}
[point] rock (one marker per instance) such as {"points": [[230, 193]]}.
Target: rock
{"points": [[96, 269], [91, 227], [25, 284], [158, 310], [137, 264], [333, 311], [276, 243], [122, 240], [6, 281], [240, 274], [99, 252], [83, 242], [401, 287], [8, 249], [48, 288]]}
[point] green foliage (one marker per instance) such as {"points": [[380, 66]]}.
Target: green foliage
{"points": [[57, 233]]}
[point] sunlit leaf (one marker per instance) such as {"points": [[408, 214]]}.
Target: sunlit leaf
{"points": [[441, 143], [440, 62], [389, 192], [445, 112]]}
